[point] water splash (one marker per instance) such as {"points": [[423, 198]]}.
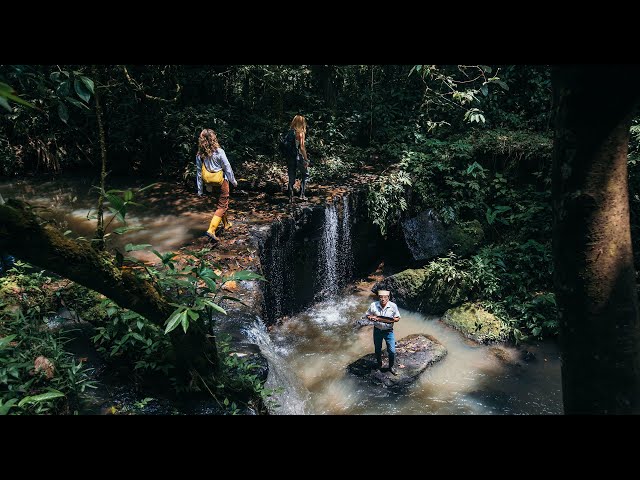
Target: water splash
{"points": [[328, 258], [290, 395], [345, 253]]}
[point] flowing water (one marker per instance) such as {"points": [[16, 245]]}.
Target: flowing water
{"points": [[168, 220], [317, 345], [309, 352]]}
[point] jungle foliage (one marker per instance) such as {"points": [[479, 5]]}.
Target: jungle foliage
{"points": [[468, 142]]}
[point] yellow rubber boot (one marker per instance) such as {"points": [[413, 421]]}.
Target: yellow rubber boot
{"points": [[215, 221], [226, 224]]}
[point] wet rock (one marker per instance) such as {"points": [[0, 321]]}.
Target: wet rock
{"points": [[504, 356], [44, 365], [414, 354], [411, 289], [426, 237], [476, 323]]}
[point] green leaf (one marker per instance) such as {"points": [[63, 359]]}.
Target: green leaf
{"points": [[67, 232], [52, 393], [75, 102], [244, 275], [5, 407], [5, 104], [63, 89], [116, 213], [128, 195], [87, 82], [485, 90], [116, 202], [185, 323], [130, 247], [140, 324], [81, 89], [503, 85], [215, 306], [63, 113], [174, 320], [4, 341], [210, 283]]}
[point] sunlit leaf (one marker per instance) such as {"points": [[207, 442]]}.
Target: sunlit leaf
{"points": [[5, 407], [51, 394], [244, 275], [130, 247], [215, 306], [174, 320]]}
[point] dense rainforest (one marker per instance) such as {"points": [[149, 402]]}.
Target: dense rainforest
{"points": [[542, 160]]}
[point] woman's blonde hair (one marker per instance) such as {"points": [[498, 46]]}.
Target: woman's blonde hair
{"points": [[207, 143], [299, 124]]}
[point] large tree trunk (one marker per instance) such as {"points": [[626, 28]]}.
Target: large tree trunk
{"points": [[593, 263], [31, 239]]}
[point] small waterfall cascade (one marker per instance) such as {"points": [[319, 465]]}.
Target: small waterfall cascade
{"points": [[290, 396], [328, 253], [345, 253]]}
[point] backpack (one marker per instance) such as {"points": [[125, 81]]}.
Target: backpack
{"points": [[288, 144]]}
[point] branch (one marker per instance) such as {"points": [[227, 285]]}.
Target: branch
{"points": [[139, 88], [31, 239]]}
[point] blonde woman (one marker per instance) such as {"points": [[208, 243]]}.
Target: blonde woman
{"points": [[301, 160], [213, 159]]}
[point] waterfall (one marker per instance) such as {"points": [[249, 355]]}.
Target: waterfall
{"points": [[290, 395], [276, 272], [327, 259], [345, 253], [280, 275]]}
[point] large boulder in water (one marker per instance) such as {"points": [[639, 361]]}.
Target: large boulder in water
{"points": [[426, 237], [414, 354]]}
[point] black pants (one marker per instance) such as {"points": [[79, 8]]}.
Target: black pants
{"points": [[292, 166]]}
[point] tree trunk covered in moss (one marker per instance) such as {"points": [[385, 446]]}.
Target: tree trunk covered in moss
{"points": [[593, 263], [33, 240]]}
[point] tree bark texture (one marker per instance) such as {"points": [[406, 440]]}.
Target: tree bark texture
{"points": [[593, 263]]}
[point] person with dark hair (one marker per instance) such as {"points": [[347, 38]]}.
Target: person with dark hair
{"points": [[214, 170], [384, 314]]}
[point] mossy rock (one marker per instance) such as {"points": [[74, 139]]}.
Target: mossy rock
{"points": [[410, 289], [476, 323], [406, 287]]}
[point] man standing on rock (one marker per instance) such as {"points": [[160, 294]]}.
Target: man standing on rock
{"points": [[384, 314]]}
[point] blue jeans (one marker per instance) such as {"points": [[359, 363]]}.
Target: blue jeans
{"points": [[388, 337]]}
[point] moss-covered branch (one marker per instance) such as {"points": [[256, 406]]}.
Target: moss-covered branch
{"points": [[29, 238]]}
